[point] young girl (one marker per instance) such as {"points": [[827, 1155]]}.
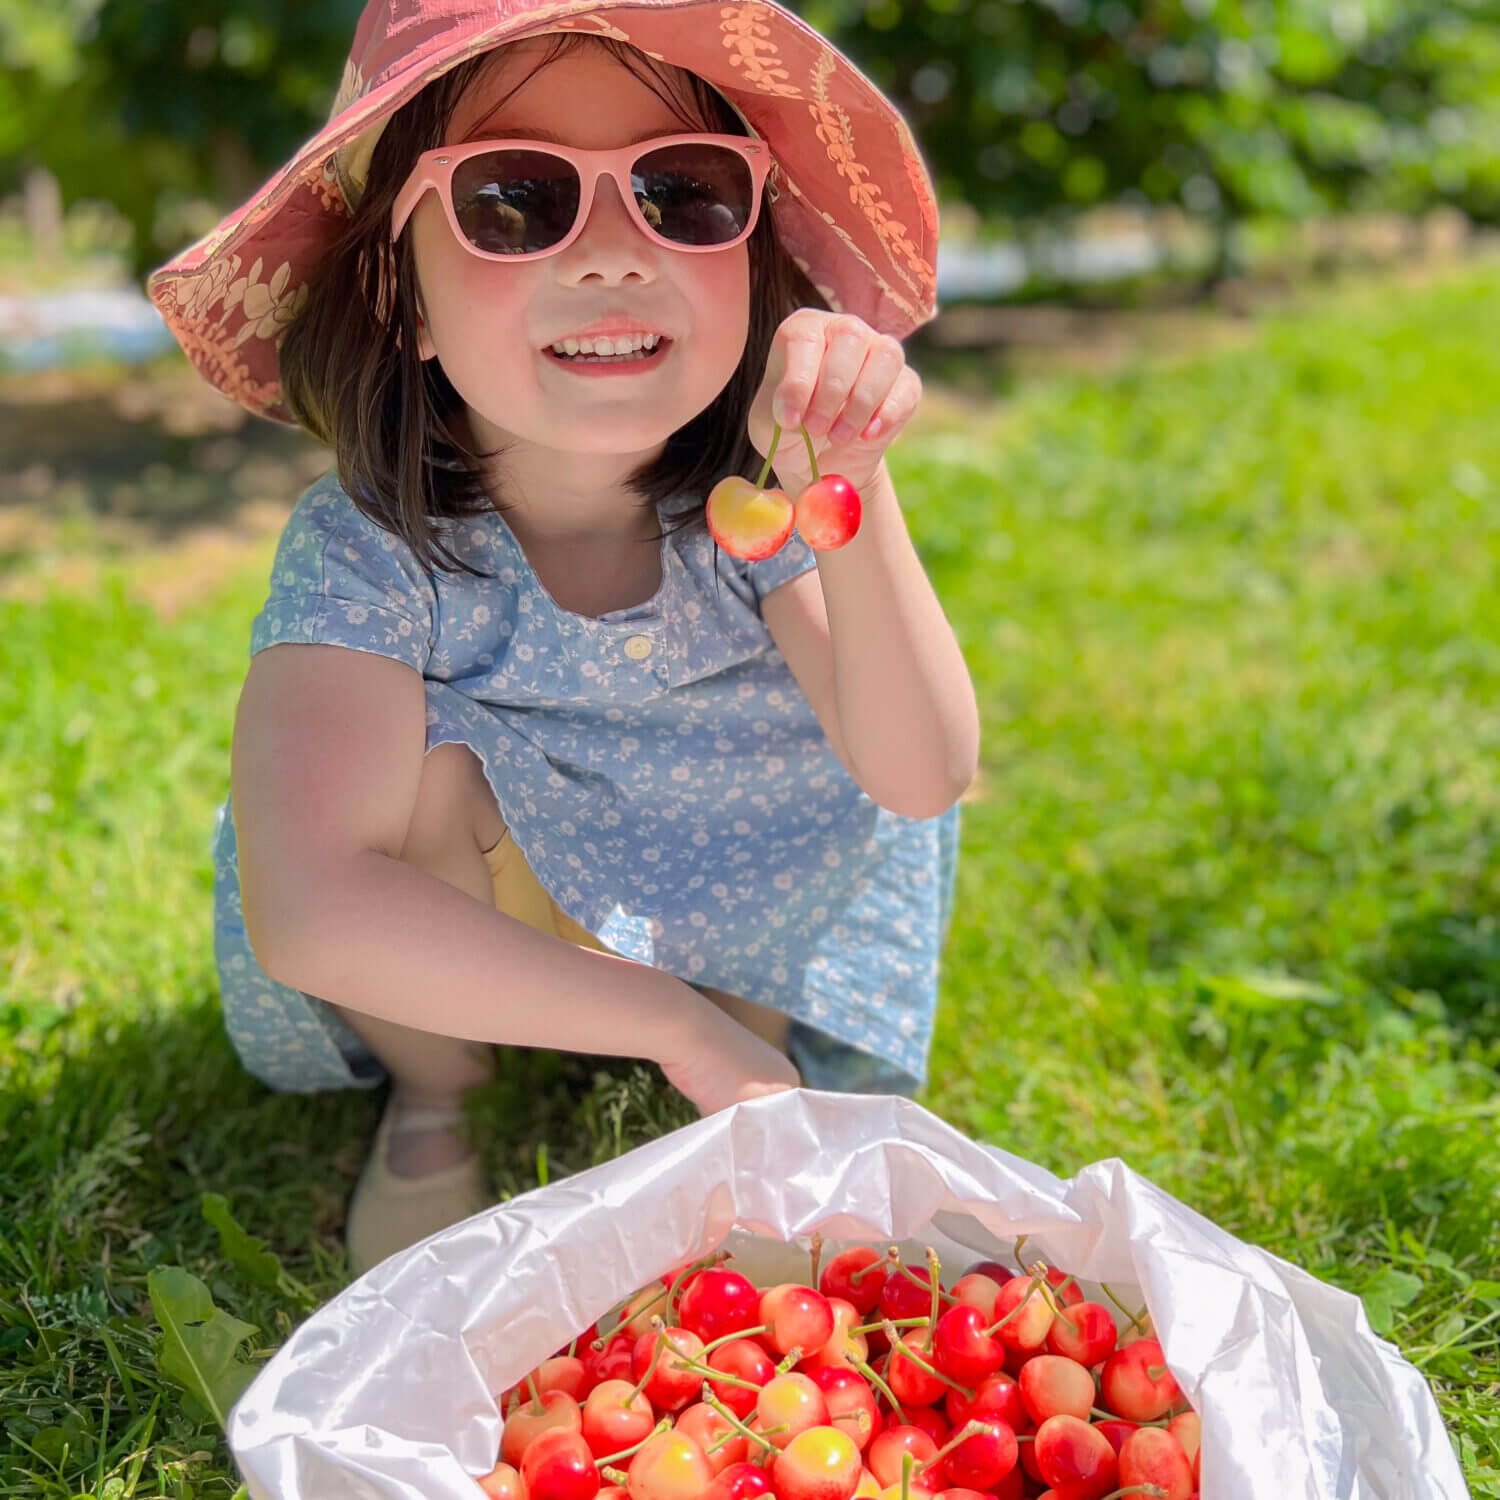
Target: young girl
{"points": [[522, 757]]}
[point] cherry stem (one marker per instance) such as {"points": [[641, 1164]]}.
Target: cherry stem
{"points": [[616, 1476], [645, 1380], [1020, 1265], [573, 1348], [907, 1464], [656, 1431], [899, 1346], [812, 457], [912, 1276], [1109, 1416], [878, 1381], [1136, 1489], [793, 1358], [880, 1323], [726, 1338], [719, 1377], [996, 1327], [624, 1323], [969, 1429], [934, 1275], [855, 1277], [1135, 1318], [765, 472], [817, 1255], [709, 1399], [537, 1404]]}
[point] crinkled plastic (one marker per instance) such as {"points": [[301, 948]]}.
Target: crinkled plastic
{"points": [[388, 1391]]}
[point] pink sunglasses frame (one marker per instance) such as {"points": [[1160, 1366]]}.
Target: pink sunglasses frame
{"points": [[434, 170]]}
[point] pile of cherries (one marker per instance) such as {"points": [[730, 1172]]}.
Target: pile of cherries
{"points": [[876, 1380]]}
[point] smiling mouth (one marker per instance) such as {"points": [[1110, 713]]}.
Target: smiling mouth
{"points": [[637, 357]]}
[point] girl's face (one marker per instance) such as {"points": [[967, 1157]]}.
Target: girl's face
{"points": [[490, 323]]}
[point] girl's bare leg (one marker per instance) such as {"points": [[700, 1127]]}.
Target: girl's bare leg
{"points": [[454, 821]]}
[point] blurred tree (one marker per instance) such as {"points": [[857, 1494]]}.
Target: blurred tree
{"points": [[1028, 109], [172, 110], [1032, 108]]}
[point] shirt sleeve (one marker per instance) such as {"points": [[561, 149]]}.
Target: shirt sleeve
{"points": [[794, 559], [340, 579]]}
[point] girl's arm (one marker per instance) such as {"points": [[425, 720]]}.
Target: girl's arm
{"points": [[328, 752], [872, 650]]}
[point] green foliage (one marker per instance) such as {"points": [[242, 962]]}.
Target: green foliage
{"points": [[1227, 902], [1025, 109]]}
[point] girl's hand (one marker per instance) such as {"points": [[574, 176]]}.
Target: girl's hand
{"points": [[717, 1062], [849, 385]]}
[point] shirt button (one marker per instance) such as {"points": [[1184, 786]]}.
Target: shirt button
{"points": [[638, 647]]}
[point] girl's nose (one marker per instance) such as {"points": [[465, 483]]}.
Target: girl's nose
{"points": [[611, 227]]}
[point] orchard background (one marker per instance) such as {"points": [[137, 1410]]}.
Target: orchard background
{"points": [[1216, 525]]}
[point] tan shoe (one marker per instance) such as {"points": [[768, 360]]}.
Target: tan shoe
{"points": [[388, 1213]]}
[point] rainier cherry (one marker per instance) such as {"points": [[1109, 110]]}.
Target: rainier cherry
{"points": [[503, 1482], [558, 1409], [659, 1370], [669, 1466], [819, 1464], [1153, 1456], [998, 1396], [850, 1401], [796, 1317], [706, 1426], [615, 1416], [1052, 1386], [981, 1460], [747, 521], [886, 1452], [791, 1403], [1136, 1382]]}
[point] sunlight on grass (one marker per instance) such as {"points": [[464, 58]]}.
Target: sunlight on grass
{"points": [[1227, 903]]}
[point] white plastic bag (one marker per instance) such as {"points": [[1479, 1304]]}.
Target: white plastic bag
{"points": [[389, 1390]]}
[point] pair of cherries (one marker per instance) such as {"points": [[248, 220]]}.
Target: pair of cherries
{"points": [[752, 522]]}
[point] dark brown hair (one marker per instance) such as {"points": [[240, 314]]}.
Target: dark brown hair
{"points": [[352, 376]]}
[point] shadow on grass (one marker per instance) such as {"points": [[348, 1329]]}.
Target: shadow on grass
{"points": [[1456, 956]]}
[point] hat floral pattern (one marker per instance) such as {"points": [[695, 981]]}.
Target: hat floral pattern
{"points": [[856, 209]]}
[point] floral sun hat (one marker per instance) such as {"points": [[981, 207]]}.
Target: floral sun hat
{"points": [[853, 202]]}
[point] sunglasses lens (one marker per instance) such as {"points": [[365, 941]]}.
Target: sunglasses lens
{"points": [[515, 202], [694, 194]]}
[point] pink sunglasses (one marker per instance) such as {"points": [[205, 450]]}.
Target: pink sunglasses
{"points": [[521, 199]]}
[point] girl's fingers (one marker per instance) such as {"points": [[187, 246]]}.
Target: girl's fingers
{"points": [[801, 346], [877, 380]]}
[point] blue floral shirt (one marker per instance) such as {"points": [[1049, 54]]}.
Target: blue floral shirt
{"points": [[660, 770]]}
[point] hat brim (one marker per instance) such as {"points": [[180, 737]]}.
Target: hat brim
{"points": [[856, 209]]}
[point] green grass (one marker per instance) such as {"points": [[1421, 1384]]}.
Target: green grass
{"points": [[1228, 904]]}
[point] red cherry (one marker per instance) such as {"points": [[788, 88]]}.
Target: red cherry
{"points": [[983, 1459], [963, 1348], [997, 1396], [901, 1297], [670, 1386], [717, 1302], [745, 1359], [828, 513], [848, 1275], [1084, 1331], [557, 1465], [743, 1481]]}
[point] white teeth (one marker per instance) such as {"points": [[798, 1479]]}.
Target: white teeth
{"points": [[631, 344]]}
